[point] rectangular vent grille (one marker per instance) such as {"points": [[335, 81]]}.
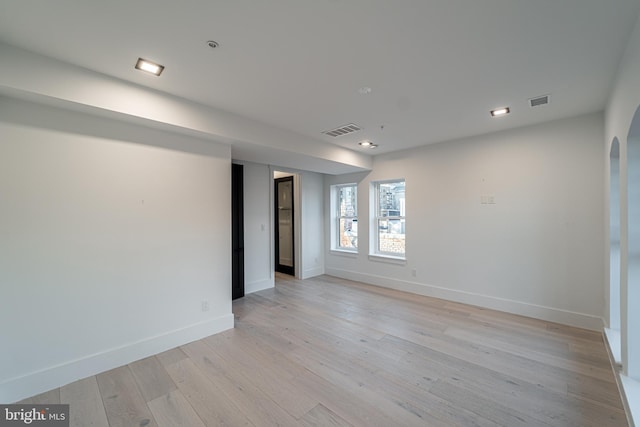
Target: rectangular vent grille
{"points": [[540, 100], [342, 130]]}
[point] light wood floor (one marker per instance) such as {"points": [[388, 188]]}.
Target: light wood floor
{"points": [[330, 352]]}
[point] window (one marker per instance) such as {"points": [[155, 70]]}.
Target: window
{"points": [[345, 202], [389, 221]]}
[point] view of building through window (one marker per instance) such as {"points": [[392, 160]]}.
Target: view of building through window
{"points": [[347, 217], [390, 217]]}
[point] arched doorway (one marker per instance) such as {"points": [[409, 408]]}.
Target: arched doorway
{"points": [[630, 295]]}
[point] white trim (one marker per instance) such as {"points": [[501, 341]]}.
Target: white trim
{"points": [[259, 285], [344, 252], [615, 344], [626, 392], [297, 225], [549, 314], [334, 191], [374, 230], [15, 389], [388, 259], [631, 398]]}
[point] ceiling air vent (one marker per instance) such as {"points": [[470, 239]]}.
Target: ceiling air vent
{"points": [[538, 101], [342, 130]]}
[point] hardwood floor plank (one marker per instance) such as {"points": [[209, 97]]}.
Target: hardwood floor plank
{"points": [[402, 400], [85, 403], [208, 400], [122, 399], [518, 367], [570, 332], [256, 349], [321, 416], [566, 361], [544, 369], [486, 408], [321, 318], [260, 372], [254, 403], [602, 392], [171, 356], [532, 399], [173, 410], [152, 379], [354, 408]]}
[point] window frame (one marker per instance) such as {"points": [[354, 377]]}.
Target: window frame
{"points": [[375, 252], [337, 217]]}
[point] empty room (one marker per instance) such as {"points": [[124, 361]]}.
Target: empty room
{"points": [[321, 213]]}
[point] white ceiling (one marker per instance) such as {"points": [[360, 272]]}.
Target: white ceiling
{"points": [[436, 67]]}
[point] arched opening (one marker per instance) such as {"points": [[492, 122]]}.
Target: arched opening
{"points": [[631, 295], [613, 333]]}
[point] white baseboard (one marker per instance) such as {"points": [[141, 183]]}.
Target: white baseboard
{"points": [[250, 288], [49, 378], [312, 272], [549, 314]]}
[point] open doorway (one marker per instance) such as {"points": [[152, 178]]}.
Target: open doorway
{"points": [[613, 331], [237, 231], [284, 225], [630, 294], [614, 235]]}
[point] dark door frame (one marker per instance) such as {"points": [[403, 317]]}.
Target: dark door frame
{"points": [[237, 231], [286, 269]]}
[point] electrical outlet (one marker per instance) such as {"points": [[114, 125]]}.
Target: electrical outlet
{"points": [[414, 272], [205, 305]]}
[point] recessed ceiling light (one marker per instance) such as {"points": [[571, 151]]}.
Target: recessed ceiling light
{"points": [[149, 67], [365, 90], [213, 44], [500, 112], [367, 144]]}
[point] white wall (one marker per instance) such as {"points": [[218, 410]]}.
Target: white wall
{"points": [[623, 104], [258, 268], [536, 252], [312, 224], [111, 236]]}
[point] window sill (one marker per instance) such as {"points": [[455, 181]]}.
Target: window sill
{"points": [[344, 252], [389, 259]]}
